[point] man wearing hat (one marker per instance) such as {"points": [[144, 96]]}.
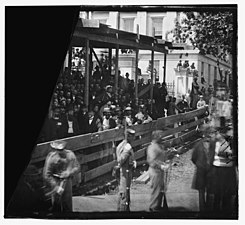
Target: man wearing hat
{"points": [[201, 103], [202, 158], [108, 122], [97, 74], [156, 158], [182, 106], [125, 159], [225, 179], [60, 166], [129, 120]]}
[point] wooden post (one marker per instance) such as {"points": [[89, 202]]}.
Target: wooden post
{"points": [[118, 20], [136, 76], [110, 58], [152, 74], [176, 134], [90, 65], [164, 71], [116, 71], [69, 60], [86, 97], [96, 57], [136, 67]]}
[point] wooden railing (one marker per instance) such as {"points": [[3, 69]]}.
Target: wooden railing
{"points": [[79, 144]]}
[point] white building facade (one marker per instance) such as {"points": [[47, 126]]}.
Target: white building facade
{"points": [[158, 24]]}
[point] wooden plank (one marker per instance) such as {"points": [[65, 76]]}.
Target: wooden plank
{"points": [[141, 141], [140, 153], [143, 178], [166, 121], [83, 159], [112, 40], [89, 140], [182, 128], [98, 171], [180, 139], [145, 90]]}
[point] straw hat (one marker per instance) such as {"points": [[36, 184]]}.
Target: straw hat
{"points": [[58, 144]]}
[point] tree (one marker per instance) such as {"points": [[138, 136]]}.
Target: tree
{"points": [[210, 32]]}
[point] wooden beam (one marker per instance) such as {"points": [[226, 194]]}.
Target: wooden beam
{"points": [[152, 71], [145, 90], [113, 40], [164, 71], [136, 76], [69, 59], [136, 68], [83, 159], [110, 60], [88, 140], [97, 59], [98, 171], [86, 97], [116, 72]]}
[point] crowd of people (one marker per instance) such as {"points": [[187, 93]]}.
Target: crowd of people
{"points": [[69, 116]]}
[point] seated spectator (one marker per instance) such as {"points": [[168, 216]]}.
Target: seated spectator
{"points": [[146, 118], [139, 116], [172, 107], [108, 121], [82, 119], [201, 103], [129, 120], [183, 106], [118, 117], [73, 128], [54, 128], [94, 123]]}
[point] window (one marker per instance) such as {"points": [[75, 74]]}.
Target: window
{"points": [[215, 72], [128, 24], [157, 26], [209, 71], [202, 69], [156, 70]]}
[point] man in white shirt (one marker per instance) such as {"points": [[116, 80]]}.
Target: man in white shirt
{"points": [[201, 103]]}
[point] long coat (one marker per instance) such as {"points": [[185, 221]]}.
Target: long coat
{"points": [[155, 158], [203, 160], [124, 157], [55, 164]]}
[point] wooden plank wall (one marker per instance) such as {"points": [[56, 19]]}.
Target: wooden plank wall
{"points": [[143, 138]]}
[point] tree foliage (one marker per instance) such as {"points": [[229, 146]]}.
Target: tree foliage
{"points": [[210, 32]]}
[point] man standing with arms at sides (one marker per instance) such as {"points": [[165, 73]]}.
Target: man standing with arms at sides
{"points": [[125, 158], [60, 166], [156, 158]]}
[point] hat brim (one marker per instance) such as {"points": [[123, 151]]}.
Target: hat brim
{"points": [[58, 146]]}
